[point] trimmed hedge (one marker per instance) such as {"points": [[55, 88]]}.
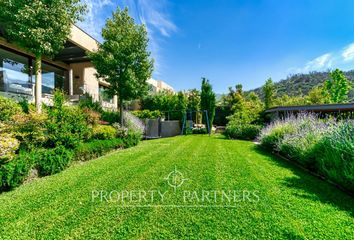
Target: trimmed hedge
{"points": [[14, 173], [242, 131], [51, 161], [96, 148]]}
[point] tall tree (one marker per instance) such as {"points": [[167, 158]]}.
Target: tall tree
{"points": [[123, 59], [208, 100], [269, 93], [41, 27], [336, 89]]}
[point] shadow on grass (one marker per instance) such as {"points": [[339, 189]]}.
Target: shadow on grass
{"points": [[309, 186]]}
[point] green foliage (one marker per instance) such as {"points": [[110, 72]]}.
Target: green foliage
{"points": [[270, 137], [336, 89], [87, 102], [121, 131], [242, 131], [123, 59], [193, 100], [173, 105], [301, 84], [8, 146], [103, 132], [147, 114], [336, 154], [8, 108], [30, 130], [92, 117], [13, 173], [65, 125], [269, 91], [208, 100], [40, 26], [51, 161], [96, 148], [132, 139], [110, 116], [323, 146]]}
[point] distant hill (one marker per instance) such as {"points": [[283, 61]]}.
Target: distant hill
{"points": [[301, 84]]}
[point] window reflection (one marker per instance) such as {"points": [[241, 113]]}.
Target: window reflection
{"points": [[15, 73]]}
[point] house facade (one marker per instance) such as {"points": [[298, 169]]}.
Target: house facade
{"points": [[70, 70]]}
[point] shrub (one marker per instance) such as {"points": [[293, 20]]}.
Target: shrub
{"points": [[92, 117], [335, 154], [147, 114], [132, 139], [30, 130], [8, 146], [273, 134], [65, 125], [242, 131], [88, 102], [96, 148], [103, 132], [122, 132], [8, 108], [51, 161], [110, 117], [323, 146], [13, 173]]}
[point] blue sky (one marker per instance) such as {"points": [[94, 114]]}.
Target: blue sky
{"points": [[237, 41]]}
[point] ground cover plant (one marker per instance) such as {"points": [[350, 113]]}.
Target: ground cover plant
{"points": [[292, 204], [324, 146]]}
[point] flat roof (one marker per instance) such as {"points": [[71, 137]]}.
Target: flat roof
{"points": [[338, 107]]}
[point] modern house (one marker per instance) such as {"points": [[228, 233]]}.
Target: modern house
{"points": [[158, 86], [70, 70]]}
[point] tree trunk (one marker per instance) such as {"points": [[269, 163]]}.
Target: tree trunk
{"points": [[38, 86], [120, 102]]}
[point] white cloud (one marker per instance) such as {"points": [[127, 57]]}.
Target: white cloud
{"points": [[321, 62], [348, 53], [95, 18], [152, 13]]}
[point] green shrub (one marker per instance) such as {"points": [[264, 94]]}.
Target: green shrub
{"points": [[323, 146], [132, 139], [13, 173], [242, 131], [147, 114], [30, 130], [8, 108], [110, 117], [103, 132], [335, 154], [122, 132], [65, 125], [51, 161], [96, 148], [88, 102], [272, 135]]}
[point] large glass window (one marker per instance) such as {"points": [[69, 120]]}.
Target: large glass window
{"points": [[104, 96], [52, 78], [15, 73]]}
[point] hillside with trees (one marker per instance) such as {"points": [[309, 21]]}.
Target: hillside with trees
{"points": [[301, 84]]}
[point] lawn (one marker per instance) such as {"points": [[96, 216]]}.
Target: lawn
{"points": [[290, 203]]}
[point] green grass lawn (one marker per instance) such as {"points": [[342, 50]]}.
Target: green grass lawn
{"points": [[292, 204]]}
